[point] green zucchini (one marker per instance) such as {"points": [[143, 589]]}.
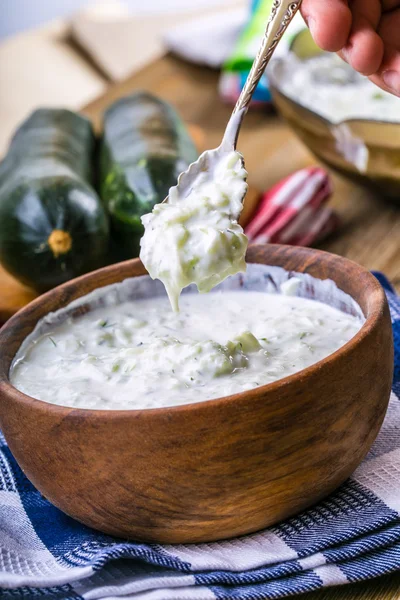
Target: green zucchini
{"points": [[145, 147], [53, 225]]}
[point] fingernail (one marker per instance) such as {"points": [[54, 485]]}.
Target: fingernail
{"points": [[345, 54], [392, 80], [310, 24]]}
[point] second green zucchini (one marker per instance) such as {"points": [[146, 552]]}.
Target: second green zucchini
{"points": [[145, 147]]}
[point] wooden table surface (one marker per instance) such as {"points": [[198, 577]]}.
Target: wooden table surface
{"points": [[370, 233]]}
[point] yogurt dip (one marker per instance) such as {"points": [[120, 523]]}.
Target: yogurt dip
{"points": [[331, 88], [196, 238], [138, 354]]}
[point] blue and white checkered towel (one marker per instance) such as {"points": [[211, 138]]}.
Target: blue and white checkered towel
{"points": [[351, 536]]}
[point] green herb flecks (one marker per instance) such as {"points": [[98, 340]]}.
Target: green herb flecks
{"points": [[104, 324]]}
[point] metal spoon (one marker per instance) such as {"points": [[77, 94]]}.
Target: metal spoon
{"points": [[282, 13]]}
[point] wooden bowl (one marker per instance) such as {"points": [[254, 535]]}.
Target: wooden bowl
{"points": [[216, 469]]}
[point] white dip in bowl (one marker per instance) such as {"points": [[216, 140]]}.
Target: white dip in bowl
{"points": [[328, 86], [131, 351]]}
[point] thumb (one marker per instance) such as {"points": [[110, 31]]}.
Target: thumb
{"points": [[329, 22]]}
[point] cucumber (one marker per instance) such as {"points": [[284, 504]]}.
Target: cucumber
{"points": [[145, 146], [53, 225]]}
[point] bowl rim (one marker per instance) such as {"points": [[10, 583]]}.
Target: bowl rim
{"points": [[275, 88], [378, 301]]}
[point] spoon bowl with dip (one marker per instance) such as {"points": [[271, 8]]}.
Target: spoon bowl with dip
{"points": [[194, 235]]}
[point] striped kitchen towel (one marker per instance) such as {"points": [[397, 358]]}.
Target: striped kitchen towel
{"points": [[351, 536], [294, 211]]}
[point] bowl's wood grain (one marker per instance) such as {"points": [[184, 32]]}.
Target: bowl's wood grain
{"points": [[216, 469]]}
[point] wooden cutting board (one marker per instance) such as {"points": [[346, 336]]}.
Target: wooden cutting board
{"points": [[13, 295]]}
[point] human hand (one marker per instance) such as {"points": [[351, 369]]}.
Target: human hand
{"points": [[366, 34]]}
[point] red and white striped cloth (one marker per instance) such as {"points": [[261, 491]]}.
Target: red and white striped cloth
{"points": [[294, 212]]}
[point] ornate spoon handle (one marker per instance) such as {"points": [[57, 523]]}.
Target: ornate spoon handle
{"points": [[282, 13]]}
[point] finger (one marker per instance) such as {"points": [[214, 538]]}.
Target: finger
{"points": [[378, 81], [329, 22], [390, 69], [364, 52], [390, 4], [365, 49], [389, 29], [389, 77]]}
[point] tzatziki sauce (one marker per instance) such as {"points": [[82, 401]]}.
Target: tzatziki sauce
{"points": [[330, 87], [197, 238], [139, 354]]}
